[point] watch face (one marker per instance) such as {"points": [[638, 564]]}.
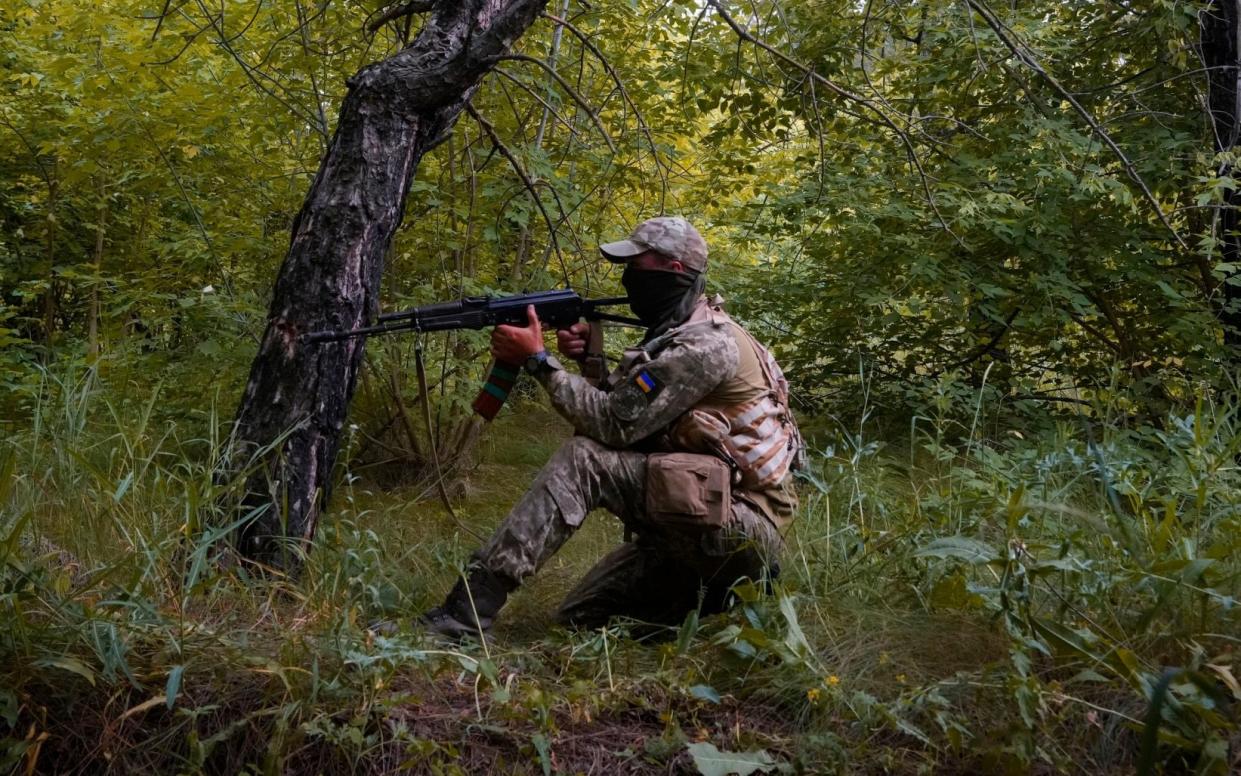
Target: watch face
{"points": [[541, 361]]}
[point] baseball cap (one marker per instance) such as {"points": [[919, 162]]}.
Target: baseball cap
{"points": [[672, 236]]}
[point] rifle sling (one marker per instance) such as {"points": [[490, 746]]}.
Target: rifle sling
{"points": [[421, 370]]}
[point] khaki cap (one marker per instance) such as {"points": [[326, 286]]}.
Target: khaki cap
{"points": [[672, 236]]}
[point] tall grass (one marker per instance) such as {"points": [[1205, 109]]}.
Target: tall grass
{"points": [[1057, 599]]}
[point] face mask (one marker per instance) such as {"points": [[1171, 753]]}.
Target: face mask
{"points": [[655, 294]]}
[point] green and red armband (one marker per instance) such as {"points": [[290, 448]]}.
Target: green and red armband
{"points": [[495, 391]]}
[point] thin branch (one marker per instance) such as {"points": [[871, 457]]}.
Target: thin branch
{"points": [[1028, 58], [1096, 333], [172, 170], [546, 106], [577, 97], [990, 344], [880, 114], [504, 150], [43, 171], [252, 73], [1050, 397], [660, 168], [159, 20], [400, 12]]}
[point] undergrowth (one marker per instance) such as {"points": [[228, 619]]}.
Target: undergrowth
{"points": [[1051, 600]]}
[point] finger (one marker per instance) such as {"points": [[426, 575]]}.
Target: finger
{"points": [[532, 318], [581, 328]]}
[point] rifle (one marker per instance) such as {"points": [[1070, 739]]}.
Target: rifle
{"points": [[557, 309]]}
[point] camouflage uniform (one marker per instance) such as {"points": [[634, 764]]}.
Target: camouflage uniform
{"points": [[662, 574]]}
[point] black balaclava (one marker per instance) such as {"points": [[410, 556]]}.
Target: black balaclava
{"points": [[662, 298]]}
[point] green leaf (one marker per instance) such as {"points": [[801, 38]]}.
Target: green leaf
{"points": [[70, 664], [794, 639], [123, 487], [544, 749], [174, 684], [710, 761], [959, 547], [705, 692]]}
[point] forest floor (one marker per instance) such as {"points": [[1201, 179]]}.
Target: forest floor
{"points": [[133, 653], [633, 708]]}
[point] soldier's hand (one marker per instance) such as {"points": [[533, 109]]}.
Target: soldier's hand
{"points": [[514, 344], [571, 342]]}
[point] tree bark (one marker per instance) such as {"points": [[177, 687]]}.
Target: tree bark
{"points": [[1221, 54], [295, 402]]}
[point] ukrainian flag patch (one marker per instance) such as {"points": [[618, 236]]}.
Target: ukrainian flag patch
{"points": [[645, 383]]}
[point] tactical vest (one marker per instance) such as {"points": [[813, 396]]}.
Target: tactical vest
{"points": [[746, 419]]}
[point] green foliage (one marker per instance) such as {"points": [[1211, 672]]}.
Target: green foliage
{"points": [[982, 605], [1017, 549]]}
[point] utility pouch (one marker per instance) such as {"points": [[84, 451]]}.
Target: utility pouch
{"points": [[687, 490]]}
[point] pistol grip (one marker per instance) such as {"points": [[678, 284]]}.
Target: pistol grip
{"points": [[500, 380]]}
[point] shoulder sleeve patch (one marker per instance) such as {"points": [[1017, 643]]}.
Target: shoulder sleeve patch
{"points": [[647, 385], [627, 402]]}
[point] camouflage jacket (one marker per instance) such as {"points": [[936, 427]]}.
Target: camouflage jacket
{"points": [[655, 385]]}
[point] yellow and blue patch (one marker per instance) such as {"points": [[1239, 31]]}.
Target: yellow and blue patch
{"points": [[647, 385]]}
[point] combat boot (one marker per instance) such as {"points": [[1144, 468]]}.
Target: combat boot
{"points": [[471, 605]]}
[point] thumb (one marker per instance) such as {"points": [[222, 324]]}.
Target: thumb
{"points": [[532, 318]]}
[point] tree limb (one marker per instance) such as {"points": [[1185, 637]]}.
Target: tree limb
{"points": [[526, 180], [546, 106], [400, 12], [1028, 58], [660, 168], [1097, 334], [577, 97], [986, 347], [881, 115]]}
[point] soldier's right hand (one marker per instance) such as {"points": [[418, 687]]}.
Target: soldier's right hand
{"points": [[571, 342]]}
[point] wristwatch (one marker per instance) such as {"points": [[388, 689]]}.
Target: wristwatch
{"points": [[540, 362]]}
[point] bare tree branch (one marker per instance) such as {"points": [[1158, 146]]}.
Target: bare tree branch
{"points": [[159, 20], [215, 21], [546, 106], [989, 345]]}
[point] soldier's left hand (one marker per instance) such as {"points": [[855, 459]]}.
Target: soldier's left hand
{"points": [[514, 344]]}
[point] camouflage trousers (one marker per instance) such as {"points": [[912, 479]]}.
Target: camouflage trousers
{"points": [[657, 578]]}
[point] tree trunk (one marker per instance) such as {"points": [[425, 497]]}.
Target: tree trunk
{"points": [[1221, 54], [49, 293], [92, 323], [295, 403]]}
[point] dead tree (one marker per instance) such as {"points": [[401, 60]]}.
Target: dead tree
{"points": [[295, 402]]}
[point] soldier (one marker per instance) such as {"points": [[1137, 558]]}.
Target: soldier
{"points": [[690, 442]]}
